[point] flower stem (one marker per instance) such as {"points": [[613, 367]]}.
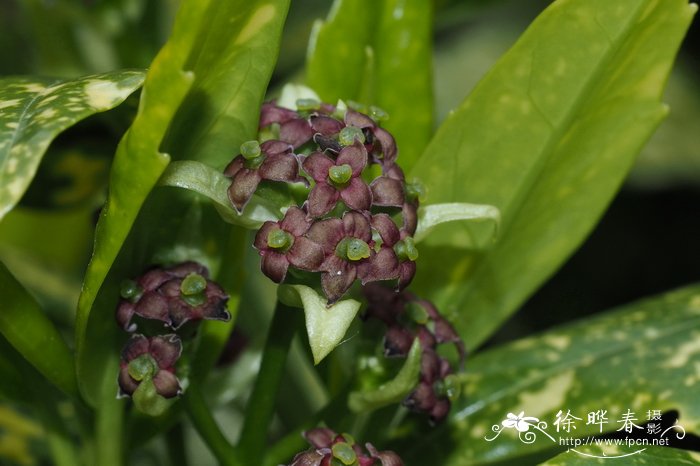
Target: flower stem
{"points": [[260, 409], [206, 426]]}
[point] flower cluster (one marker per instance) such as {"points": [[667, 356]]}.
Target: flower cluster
{"points": [[406, 318], [359, 217], [330, 448], [172, 295]]}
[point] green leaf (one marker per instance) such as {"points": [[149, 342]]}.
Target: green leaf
{"points": [[203, 179], [658, 456], [430, 216], [379, 53], [33, 335], [235, 52], [35, 111], [643, 356], [325, 325], [393, 391], [547, 138], [335, 65]]}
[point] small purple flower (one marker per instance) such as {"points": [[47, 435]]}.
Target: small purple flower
{"points": [[282, 244], [388, 189], [293, 128], [272, 160], [347, 247], [330, 448], [399, 245], [174, 295], [338, 180], [382, 144], [150, 359]]}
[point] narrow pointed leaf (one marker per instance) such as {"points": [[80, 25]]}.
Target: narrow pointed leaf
{"points": [[547, 137], [26, 327], [392, 391], [325, 325], [643, 356], [35, 110]]}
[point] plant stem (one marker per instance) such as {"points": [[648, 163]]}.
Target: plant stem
{"points": [[175, 439], [109, 422], [208, 429], [260, 408]]}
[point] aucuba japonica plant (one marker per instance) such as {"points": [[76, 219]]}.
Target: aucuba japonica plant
{"points": [[206, 258]]}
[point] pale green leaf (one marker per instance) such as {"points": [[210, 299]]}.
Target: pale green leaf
{"points": [[636, 456], [644, 356], [393, 391], [547, 137], [325, 325], [35, 111], [212, 183], [432, 215]]}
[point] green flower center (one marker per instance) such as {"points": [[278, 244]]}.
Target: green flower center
{"points": [[377, 113], [279, 239], [406, 250], [130, 290], [306, 105], [142, 367], [192, 289], [415, 190], [340, 174], [344, 453], [349, 134], [250, 150], [352, 249]]}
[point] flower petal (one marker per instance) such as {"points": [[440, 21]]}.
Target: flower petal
{"points": [[242, 187], [322, 199], [234, 166], [397, 341], [125, 312], [135, 347], [440, 410], [274, 146], [295, 222], [387, 229], [165, 350], [305, 254], [357, 195], [422, 398], [296, 132], [387, 192], [337, 282], [260, 242], [127, 385], [410, 218], [274, 265], [356, 225], [355, 156], [407, 270], [326, 125], [153, 306], [388, 145], [360, 120], [280, 167], [381, 266], [271, 113], [321, 437], [317, 166], [166, 384], [327, 234]]}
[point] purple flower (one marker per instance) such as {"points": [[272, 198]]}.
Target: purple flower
{"points": [[282, 244], [150, 359], [173, 295], [399, 245], [382, 144], [338, 180], [347, 247], [330, 448], [293, 128], [272, 160], [388, 189]]}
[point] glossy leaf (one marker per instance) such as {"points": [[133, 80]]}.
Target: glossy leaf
{"points": [[26, 327], [236, 51], [35, 111], [392, 391], [430, 216], [604, 455], [325, 325], [203, 179], [379, 53], [547, 138], [644, 356]]}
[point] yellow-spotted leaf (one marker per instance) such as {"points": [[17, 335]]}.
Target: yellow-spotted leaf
{"points": [[33, 111], [547, 137], [636, 361]]}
